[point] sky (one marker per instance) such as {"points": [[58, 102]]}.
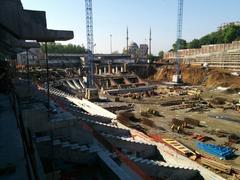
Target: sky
{"points": [[113, 16]]}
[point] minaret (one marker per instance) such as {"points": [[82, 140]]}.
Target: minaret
{"points": [[127, 40], [150, 42]]}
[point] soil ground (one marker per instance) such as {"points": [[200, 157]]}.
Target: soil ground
{"points": [[209, 122]]}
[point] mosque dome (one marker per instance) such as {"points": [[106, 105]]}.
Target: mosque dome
{"points": [[133, 44]]}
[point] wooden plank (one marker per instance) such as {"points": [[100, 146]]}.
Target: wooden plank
{"points": [[216, 165]]}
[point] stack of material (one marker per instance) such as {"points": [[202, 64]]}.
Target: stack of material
{"points": [[220, 151], [193, 122]]}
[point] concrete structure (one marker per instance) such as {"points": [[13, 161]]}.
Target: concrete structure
{"points": [[17, 25], [28, 24], [225, 56], [73, 132], [33, 57], [122, 83], [14, 159]]}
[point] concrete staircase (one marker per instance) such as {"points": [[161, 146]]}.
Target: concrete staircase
{"points": [[66, 150], [165, 170]]}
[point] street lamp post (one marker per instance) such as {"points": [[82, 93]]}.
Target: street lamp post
{"points": [[111, 43]]}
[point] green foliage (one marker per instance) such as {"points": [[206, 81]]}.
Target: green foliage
{"points": [[161, 54], [226, 35], [231, 33], [194, 44], [64, 49], [151, 58], [182, 45]]}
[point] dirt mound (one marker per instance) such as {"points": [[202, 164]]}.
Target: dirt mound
{"points": [[197, 75]]}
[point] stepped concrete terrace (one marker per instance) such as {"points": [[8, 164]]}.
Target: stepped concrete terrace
{"points": [[125, 144], [88, 154], [161, 169]]}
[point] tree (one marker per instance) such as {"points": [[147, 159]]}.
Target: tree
{"points": [[182, 44], [225, 35], [205, 40], [65, 49], [194, 44], [231, 33], [161, 54], [151, 58]]}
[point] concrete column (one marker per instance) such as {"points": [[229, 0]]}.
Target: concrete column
{"points": [[104, 70], [124, 67], [121, 69], [100, 71], [110, 68], [96, 68], [113, 70], [116, 71]]}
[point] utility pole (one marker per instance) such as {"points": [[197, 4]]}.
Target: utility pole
{"points": [[110, 43], [127, 40]]}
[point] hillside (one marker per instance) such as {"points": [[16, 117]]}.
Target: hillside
{"points": [[196, 75], [227, 34]]}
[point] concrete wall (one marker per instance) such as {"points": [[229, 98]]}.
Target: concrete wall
{"points": [[74, 133], [169, 172], [67, 154], [110, 130], [205, 49], [143, 150]]}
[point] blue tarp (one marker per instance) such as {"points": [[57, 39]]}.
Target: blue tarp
{"points": [[220, 151]]}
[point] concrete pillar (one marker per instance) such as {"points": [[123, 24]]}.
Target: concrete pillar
{"points": [[104, 70], [116, 71], [110, 68], [100, 71], [113, 70], [124, 67], [121, 69], [96, 68]]}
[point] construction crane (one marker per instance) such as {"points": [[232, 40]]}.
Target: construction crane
{"points": [[177, 77], [90, 43]]}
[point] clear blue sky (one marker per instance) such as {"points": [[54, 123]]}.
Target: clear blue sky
{"points": [[113, 16]]}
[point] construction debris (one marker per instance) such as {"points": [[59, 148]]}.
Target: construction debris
{"points": [[233, 138], [178, 124], [193, 122], [150, 112]]}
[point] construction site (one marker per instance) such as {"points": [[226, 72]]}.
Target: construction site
{"points": [[106, 116]]}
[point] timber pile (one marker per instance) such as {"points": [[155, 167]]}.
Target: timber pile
{"points": [[226, 168], [216, 165]]}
